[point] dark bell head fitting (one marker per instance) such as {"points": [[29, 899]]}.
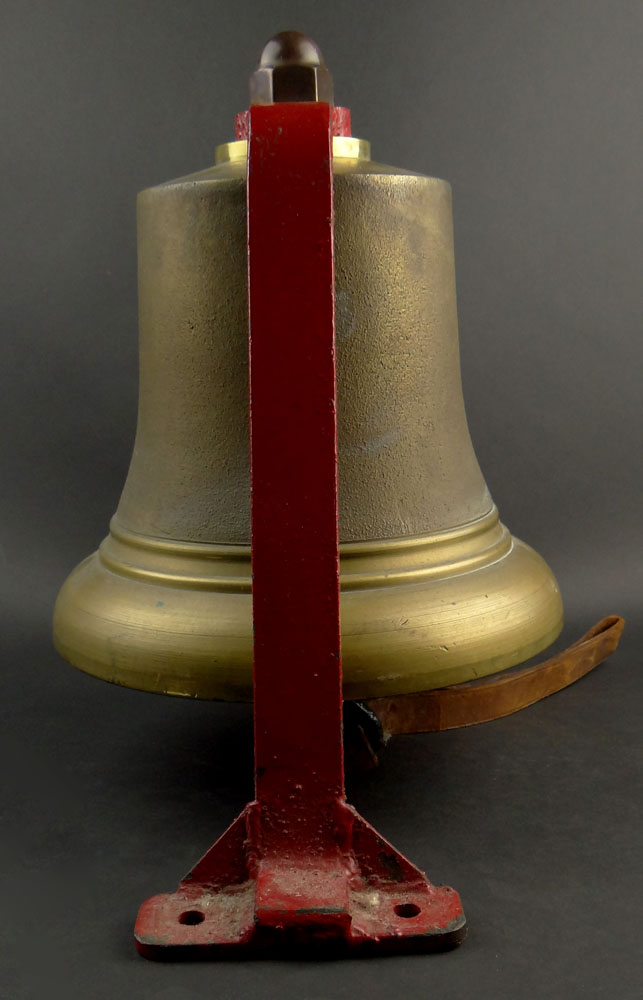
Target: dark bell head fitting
{"points": [[291, 68]]}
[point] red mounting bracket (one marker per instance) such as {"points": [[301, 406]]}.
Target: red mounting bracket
{"points": [[299, 866]]}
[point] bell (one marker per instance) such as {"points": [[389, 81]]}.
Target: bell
{"points": [[434, 588]]}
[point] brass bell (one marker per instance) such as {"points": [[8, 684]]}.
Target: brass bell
{"points": [[435, 590]]}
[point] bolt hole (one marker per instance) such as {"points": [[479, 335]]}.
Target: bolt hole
{"points": [[192, 917], [407, 910]]}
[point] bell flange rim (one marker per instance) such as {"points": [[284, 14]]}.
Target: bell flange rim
{"points": [[396, 639]]}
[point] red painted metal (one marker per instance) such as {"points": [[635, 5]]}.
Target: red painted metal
{"points": [[299, 866], [340, 121]]}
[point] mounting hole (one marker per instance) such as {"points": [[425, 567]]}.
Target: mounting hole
{"points": [[192, 917], [407, 910]]}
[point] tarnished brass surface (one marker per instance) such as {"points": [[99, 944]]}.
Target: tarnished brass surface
{"points": [[344, 146], [434, 589]]}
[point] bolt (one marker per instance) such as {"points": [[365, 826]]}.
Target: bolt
{"points": [[291, 68]]}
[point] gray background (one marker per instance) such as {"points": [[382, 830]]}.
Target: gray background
{"points": [[533, 111]]}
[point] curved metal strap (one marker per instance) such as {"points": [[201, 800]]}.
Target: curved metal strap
{"points": [[500, 694]]}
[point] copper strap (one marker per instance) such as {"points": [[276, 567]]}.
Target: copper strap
{"points": [[500, 694]]}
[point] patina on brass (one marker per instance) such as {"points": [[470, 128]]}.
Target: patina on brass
{"points": [[434, 588]]}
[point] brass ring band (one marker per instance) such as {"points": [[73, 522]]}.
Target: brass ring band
{"points": [[344, 146], [364, 565]]}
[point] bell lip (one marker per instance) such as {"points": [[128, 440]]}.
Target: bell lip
{"points": [[235, 692], [395, 639]]}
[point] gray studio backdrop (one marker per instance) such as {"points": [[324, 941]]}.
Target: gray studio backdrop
{"points": [[532, 110]]}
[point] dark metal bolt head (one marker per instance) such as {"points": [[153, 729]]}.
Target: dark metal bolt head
{"points": [[291, 68]]}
